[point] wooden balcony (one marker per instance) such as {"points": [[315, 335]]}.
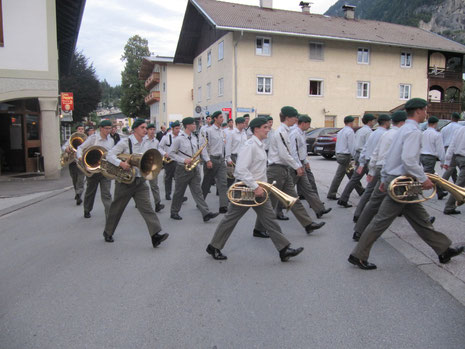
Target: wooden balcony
{"points": [[152, 97], [443, 110], [152, 80]]}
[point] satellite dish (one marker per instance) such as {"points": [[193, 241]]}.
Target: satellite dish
{"points": [[198, 109]]}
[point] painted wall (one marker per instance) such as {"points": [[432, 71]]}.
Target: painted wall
{"points": [[179, 103]]}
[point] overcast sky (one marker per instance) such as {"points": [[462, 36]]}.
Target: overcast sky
{"points": [[108, 24]]}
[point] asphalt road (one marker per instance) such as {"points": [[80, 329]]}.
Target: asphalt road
{"points": [[62, 286]]}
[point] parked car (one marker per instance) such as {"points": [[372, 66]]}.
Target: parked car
{"points": [[312, 135], [326, 145]]}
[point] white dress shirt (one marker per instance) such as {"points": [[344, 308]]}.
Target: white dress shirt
{"points": [[216, 142], [122, 147], [150, 143], [431, 144], [235, 139], [280, 148], [166, 142], [251, 163], [345, 141], [448, 131], [184, 147], [457, 146], [378, 157], [361, 137], [403, 158], [95, 139], [298, 146], [370, 145]]}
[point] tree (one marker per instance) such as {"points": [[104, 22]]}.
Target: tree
{"points": [[133, 90], [82, 81], [110, 95]]}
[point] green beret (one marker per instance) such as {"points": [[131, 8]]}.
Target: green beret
{"points": [[455, 116], [216, 114], [399, 116], [348, 119], [416, 103], [384, 117], [104, 123], [289, 111], [257, 122], [229, 120], [224, 124], [367, 118], [188, 121], [150, 126], [175, 124], [304, 118], [138, 122], [240, 120], [433, 120], [79, 125], [246, 116], [270, 118]]}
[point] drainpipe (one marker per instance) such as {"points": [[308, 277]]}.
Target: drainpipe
{"points": [[235, 76]]}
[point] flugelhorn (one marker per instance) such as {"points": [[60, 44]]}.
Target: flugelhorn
{"points": [[241, 195], [195, 158], [74, 142], [408, 190]]}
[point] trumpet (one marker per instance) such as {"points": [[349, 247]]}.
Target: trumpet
{"points": [[195, 158], [75, 141], [408, 190], [241, 195]]}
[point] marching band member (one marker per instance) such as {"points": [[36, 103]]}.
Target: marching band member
{"points": [[234, 142], [103, 139], [447, 133], [164, 146], [403, 159], [137, 190], [251, 167], [248, 130], [215, 168], [76, 175], [151, 142], [230, 127], [183, 149], [208, 120]]}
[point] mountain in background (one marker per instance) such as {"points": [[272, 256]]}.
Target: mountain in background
{"points": [[445, 17]]}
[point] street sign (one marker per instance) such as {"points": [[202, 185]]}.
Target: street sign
{"points": [[67, 102], [245, 110]]}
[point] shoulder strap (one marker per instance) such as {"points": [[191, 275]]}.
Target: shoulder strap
{"points": [[171, 141], [130, 145], [284, 142]]}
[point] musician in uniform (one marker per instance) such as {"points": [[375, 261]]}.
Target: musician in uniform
{"points": [[164, 146], [76, 175], [403, 159], [114, 134], [184, 148], [234, 142], [281, 163], [151, 142], [214, 160], [447, 133], [137, 190], [102, 138], [250, 168]]}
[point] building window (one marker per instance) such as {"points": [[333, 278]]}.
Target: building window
{"points": [[363, 89], [316, 51], [316, 87], [164, 107], [405, 59], [220, 50], [164, 87], [199, 94], [209, 58], [156, 108], [220, 87], [209, 90], [1, 26], [404, 91], [263, 46], [199, 64], [363, 55], [264, 85], [164, 68]]}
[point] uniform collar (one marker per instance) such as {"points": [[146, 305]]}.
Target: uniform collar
{"points": [[412, 122], [134, 139], [256, 140]]}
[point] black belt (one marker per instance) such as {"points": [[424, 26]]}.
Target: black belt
{"points": [[280, 165], [216, 156]]}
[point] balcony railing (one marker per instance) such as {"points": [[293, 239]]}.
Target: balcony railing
{"points": [[444, 74], [152, 97], [443, 109], [152, 80]]}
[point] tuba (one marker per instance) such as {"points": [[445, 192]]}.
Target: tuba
{"points": [[408, 190], [195, 158], [92, 160], [75, 141], [241, 195]]}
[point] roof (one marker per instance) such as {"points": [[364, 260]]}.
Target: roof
{"points": [[236, 17]]}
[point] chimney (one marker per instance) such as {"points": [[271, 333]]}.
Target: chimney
{"points": [[349, 11], [305, 6], [266, 4]]}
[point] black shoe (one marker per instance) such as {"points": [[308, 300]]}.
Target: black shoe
{"points": [[452, 211], [184, 199], [442, 195], [158, 238], [78, 200], [450, 252], [314, 226], [86, 214], [168, 197], [159, 207], [432, 219], [223, 209], [176, 216], [355, 219], [356, 236], [209, 216], [319, 215], [288, 252], [332, 198], [365, 265], [215, 253], [343, 203], [282, 217], [260, 234], [107, 237]]}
